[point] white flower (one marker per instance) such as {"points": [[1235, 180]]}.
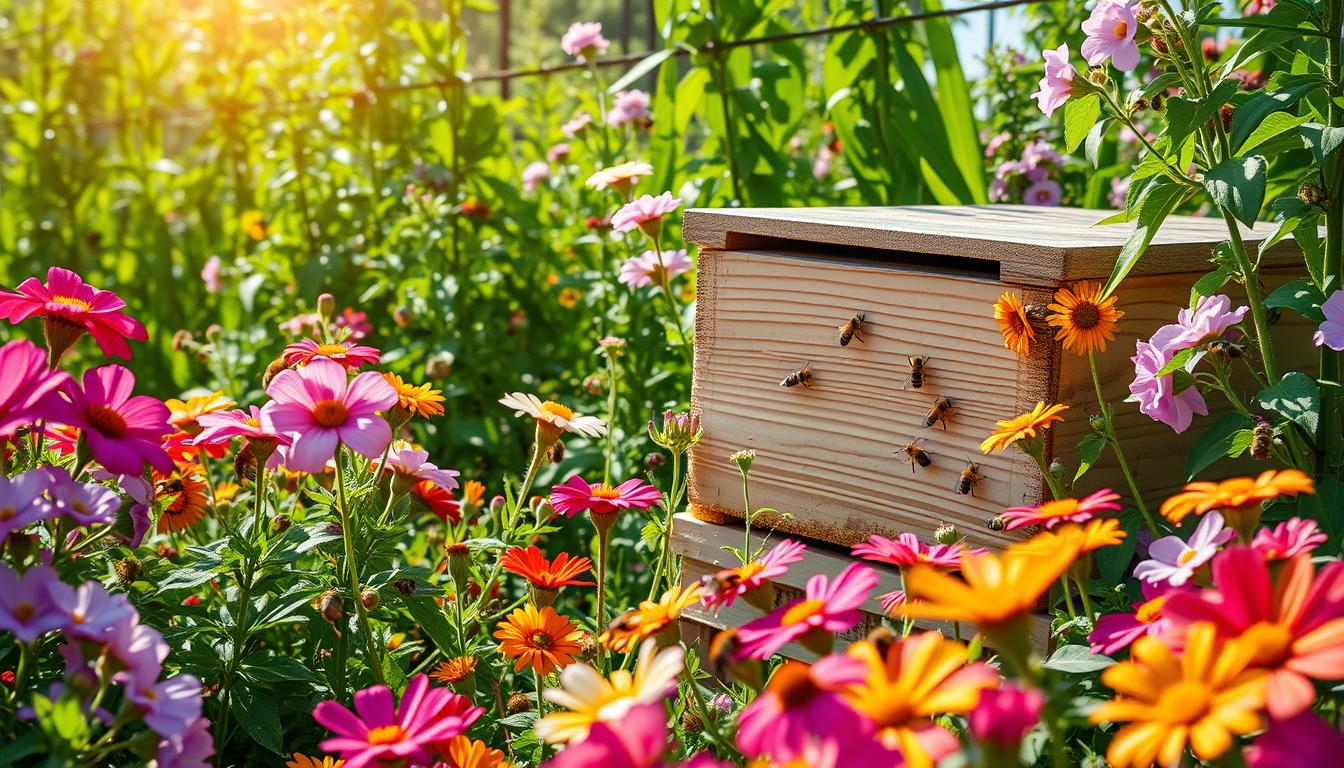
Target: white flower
{"points": [[553, 414], [625, 173], [1174, 561], [591, 698]]}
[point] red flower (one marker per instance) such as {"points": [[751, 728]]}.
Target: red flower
{"points": [[532, 565], [440, 501], [70, 307], [192, 600]]}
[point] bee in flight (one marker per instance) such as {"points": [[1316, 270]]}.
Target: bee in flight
{"points": [[938, 413], [916, 454], [969, 477], [916, 377], [801, 376], [996, 524], [852, 330]]}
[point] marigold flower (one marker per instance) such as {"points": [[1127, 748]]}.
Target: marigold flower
{"points": [[349, 354], [540, 639], [1018, 335], [721, 589], [383, 733], [69, 307], [417, 400], [1237, 494], [1023, 427], [1203, 698], [589, 698], [300, 760], [454, 670], [553, 419], [631, 628], [185, 414], [123, 432], [907, 550], [826, 607], [1053, 513], [1085, 320]]}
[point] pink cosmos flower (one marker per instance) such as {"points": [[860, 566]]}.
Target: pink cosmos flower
{"points": [[1116, 631], [1110, 34], [558, 152], [210, 274], [628, 107], [1331, 332], [1174, 561], [90, 613], [821, 164], [798, 702], [123, 432], [222, 426], [1288, 539], [1005, 715], [1119, 192], [638, 740], [576, 496], [26, 386], [84, 503], [645, 269], [754, 574], [1043, 192], [1156, 394], [826, 607], [347, 353], [412, 463], [137, 652], [189, 749], [169, 706], [26, 608], [357, 323], [1055, 87], [645, 212], [584, 39], [575, 124], [1211, 318], [1301, 741], [22, 502], [907, 550], [1039, 155], [384, 733], [319, 408], [1059, 511], [70, 307], [535, 173]]}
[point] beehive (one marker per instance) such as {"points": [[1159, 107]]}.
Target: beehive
{"points": [[774, 285]]}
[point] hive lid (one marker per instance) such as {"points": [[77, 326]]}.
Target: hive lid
{"points": [[1033, 245]]}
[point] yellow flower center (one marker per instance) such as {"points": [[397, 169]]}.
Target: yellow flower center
{"points": [[556, 409], [604, 492], [802, 612], [1121, 30], [330, 413], [70, 302], [1086, 316], [388, 734], [750, 569], [1273, 643], [1186, 556], [793, 685], [253, 422], [330, 350], [106, 421], [1185, 702], [1150, 611]]}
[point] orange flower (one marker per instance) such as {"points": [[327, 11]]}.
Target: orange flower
{"points": [[440, 501], [1077, 539], [1239, 494], [626, 631], [184, 413], [1024, 426], [1085, 320], [540, 639], [253, 224], [418, 400], [465, 752], [186, 496], [473, 493], [1018, 335], [304, 761], [532, 565], [454, 670]]}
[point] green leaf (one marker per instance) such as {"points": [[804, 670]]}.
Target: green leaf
{"points": [[1095, 138], [1184, 360], [1321, 140], [1077, 659], [954, 101], [1185, 116], [1156, 206], [1089, 452], [275, 669], [1251, 112], [1079, 117], [1214, 444], [255, 709], [1238, 184], [1209, 284], [645, 66], [430, 617], [1301, 296], [1296, 397], [1274, 126]]}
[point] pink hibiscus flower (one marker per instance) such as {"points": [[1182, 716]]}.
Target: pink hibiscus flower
{"points": [[384, 733], [69, 307], [645, 212], [1330, 333], [1110, 34], [576, 496], [907, 550], [415, 466], [826, 607], [26, 386], [319, 408], [1157, 395], [1211, 318], [347, 353], [647, 269], [124, 432], [1288, 539], [1055, 87], [732, 583], [584, 39]]}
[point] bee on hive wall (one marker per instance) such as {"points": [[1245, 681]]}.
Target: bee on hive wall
{"points": [[969, 477], [801, 376], [916, 454], [938, 413], [917, 374], [852, 330]]}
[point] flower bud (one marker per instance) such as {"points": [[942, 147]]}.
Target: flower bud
{"points": [[946, 534], [329, 605], [691, 722], [326, 306], [369, 599], [1098, 423], [743, 460], [181, 339], [459, 564]]}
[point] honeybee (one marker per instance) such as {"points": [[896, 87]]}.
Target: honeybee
{"points": [[916, 454], [938, 413], [1226, 349], [556, 453], [722, 581], [916, 377], [801, 376], [1262, 439], [996, 524], [852, 330], [969, 477]]}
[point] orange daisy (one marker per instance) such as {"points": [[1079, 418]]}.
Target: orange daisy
{"points": [[1024, 426], [543, 574], [465, 752], [186, 495], [417, 400], [626, 631], [1018, 335], [454, 670], [1240, 494], [184, 413], [541, 639], [304, 761], [1085, 320]]}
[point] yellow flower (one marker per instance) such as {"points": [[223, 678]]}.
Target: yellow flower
{"points": [[253, 224], [417, 400], [1018, 335], [1024, 426], [1203, 698], [304, 761], [1237, 494], [1074, 538], [184, 413], [553, 419], [591, 698], [1084, 319], [630, 628]]}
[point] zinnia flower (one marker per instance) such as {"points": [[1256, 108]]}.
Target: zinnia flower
{"points": [[553, 419], [628, 107], [826, 607], [646, 269], [1302, 741], [1018, 335], [1023, 427], [588, 698], [1057, 84], [1053, 513], [907, 550], [1110, 34], [26, 607], [419, 400], [546, 576], [577, 123], [319, 408], [584, 39], [380, 734], [1330, 333], [1116, 631], [576, 496], [1157, 395], [638, 741], [1085, 320], [26, 386], [541, 639], [69, 307], [796, 702], [123, 432], [347, 353], [650, 619], [1174, 561], [187, 500], [304, 761], [1005, 715], [724, 587], [1236, 495], [645, 212], [439, 501], [1203, 698], [222, 426], [1288, 539], [534, 173]]}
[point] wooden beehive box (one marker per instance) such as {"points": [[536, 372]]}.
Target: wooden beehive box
{"points": [[774, 285]]}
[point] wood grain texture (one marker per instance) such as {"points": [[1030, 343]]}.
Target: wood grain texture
{"points": [[1032, 245]]}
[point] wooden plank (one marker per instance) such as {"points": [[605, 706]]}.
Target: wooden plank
{"points": [[1033, 245]]}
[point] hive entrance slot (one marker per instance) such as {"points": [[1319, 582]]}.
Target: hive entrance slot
{"points": [[924, 262]]}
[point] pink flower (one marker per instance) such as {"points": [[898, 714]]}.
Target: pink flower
{"points": [[189, 749], [1055, 87], [1043, 192], [628, 107], [577, 496], [584, 39], [319, 408], [577, 123], [754, 574], [534, 174], [347, 353], [137, 652], [413, 463], [1116, 631], [1211, 318], [123, 432], [907, 550], [1059, 511], [383, 733], [1288, 539], [90, 613], [1119, 191], [558, 152], [646, 269], [892, 600], [222, 426], [1174, 561], [1039, 155], [210, 274], [645, 212], [84, 503], [1301, 741], [638, 740], [1110, 34], [798, 702], [69, 307], [1331, 332], [22, 502], [26, 386], [821, 165], [26, 607], [355, 322], [1156, 394], [1004, 715], [169, 706], [826, 607]]}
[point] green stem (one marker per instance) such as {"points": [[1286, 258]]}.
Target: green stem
{"points": [[538, 455], [611, 415], [665, 284], [1087, 601], [746, 519], [1328, 440], [1038, 455], [1259, 315], [375, 661], [1068, 596], [1115, 447], [602, 537]]}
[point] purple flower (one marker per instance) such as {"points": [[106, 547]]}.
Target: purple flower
{"points": [[1040, 154], [210, 274], [628, 107], [137, 652], [90, 613], [170, 707], [1174, 561], [1116, 631], [27, 388], [1119, 191], [534, 174], [26, 608], [22, 502], [577, 123], [1110, 34], [1211, 318], [1301, 741], [413, 464], [1157, 395], [1043, 192], [1331, 332], [1055, 87], [85, 503], [188, 749]]}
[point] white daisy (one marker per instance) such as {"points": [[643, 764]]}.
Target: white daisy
{"points": [[552, 417], [620, 176], [591, 698]]}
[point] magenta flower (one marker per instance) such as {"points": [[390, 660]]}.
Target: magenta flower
{"points": [[189, 749], [628, 107], [1110, 34], [798, 702], [535, 173], [753, 575], [414, 464], [584, 39], [1005, 715], [222, 426], [1331, 332], [84, 503], [26, 386], [907, 550], [1116, 631], [575, 124], [26, 608], [210, 274], [1119, 192], [1288, 539], [69, 307], [577, 496], [1211, 318], [1301, 741], [123, 432], [1174, 561], [169, 706], [1157, 395], [90, 613], [347, 353], [891, 600], [21, 500], [646, 269], [826, 607], [318, 408], [383, 733], [1043, 192], [1055, 87], [645, 212], [1059, 511], [637, 740]]}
